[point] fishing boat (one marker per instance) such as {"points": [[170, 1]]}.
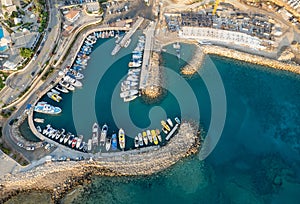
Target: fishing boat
{"points": [[103, 134], [122, 139], [136, 141], [114, 142], [61, 88], [62, 138], [59, 134], [71, 139], [107, 143], [112, 33], [134, 70], [153, 133], [54, 96], [128, 93], [74, 141], [95, 132], [170, 122], [46, 130], [39, 120], [129, 98], [81, 145], [177, 120], [140, 139], [72, 81], [78, 75], [54, 133], [134, 64], [145, 138], [43, 107], [164, 130], [67, 85], [38, 128], [132, 78], [158, 135], [67, 137], [55, 91], [164, 124], [89, 145], [149, 136], [85, 148], [79, 141]]}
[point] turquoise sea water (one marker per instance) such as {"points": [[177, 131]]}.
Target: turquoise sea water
{"points": [[255, 161]]}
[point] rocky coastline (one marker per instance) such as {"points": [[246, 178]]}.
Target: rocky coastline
{"points": [[58, 178]]}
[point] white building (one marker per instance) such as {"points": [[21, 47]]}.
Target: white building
{"points": [[217, 35]]}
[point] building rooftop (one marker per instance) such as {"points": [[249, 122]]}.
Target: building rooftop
{"points": [[72, 14]]}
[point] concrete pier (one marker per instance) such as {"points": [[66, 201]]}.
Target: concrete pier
{"points": [[128, 35], [172, 132], [149, 33]]}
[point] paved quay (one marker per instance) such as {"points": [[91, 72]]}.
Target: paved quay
{"points": [[149, 33]]}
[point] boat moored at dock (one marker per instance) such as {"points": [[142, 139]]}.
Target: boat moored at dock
{"points": [[149, 136], [79, 141], [165, 125], [108, 144], [59, 87], [177, 120], [103, 134], [158, 135], [136, 141], [153, 133], [43, 107], [122, 139], [170, 122], [145, 138], [114, 142], [95, 133], [54, 96], [140, 139]]}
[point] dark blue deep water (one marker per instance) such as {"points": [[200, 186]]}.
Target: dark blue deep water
{"points": [[256, 160]]}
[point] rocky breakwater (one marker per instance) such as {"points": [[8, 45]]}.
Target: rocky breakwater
{"points": [[59, 178], [154, 80], [195, 63], [254, 59]]}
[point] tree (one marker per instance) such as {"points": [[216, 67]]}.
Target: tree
{"points": [[26, 52], [14, 14]]}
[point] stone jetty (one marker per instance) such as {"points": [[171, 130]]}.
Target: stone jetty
{"points": [[194, 64], [254, 59], [59, 177]]}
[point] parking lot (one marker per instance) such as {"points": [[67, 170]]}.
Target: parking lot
{"points": [[77, 2]]}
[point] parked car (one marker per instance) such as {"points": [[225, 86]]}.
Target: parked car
{"points": [[30, 148]]}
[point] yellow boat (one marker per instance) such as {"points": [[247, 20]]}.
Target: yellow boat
{"points": [[158, 135], [164, 124], [153, 133], [122, 139], [145, 138]]}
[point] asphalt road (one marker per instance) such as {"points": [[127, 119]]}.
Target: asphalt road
{"points": [[21, 80]]}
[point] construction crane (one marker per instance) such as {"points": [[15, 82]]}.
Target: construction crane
{"points": [[215, 7]]}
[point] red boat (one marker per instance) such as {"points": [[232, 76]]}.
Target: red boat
{"points": [[74, 141]]}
